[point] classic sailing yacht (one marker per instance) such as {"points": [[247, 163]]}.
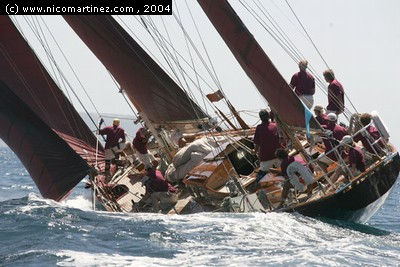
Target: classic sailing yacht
{"points": [[224, 178]]}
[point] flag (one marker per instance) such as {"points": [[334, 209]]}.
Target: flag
{"points": [[307, 116], [215, 97]]}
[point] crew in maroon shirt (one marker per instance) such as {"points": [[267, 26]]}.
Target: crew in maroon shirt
{"points": [[113, 145], [283, 155], [338, 132], [355, 155], [320, 116], [335, 93], [373, 135], [140, 141], [163, 195], [113, 134], [157, 182], [355, 159], [303, 84], [266, 140]]}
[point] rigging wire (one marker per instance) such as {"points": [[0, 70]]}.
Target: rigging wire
{"points": [[71, 68], [63, 77], [148, 67], [298, 20], [320, 83]]}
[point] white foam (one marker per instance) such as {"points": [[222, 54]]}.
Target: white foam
{"points": [[82, 202], [79, 258]]}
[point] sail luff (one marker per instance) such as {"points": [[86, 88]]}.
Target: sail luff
{"points": [[256, 63], [147, 85]]}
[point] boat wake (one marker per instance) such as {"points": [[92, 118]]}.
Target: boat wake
{"points": [[79, 237]]}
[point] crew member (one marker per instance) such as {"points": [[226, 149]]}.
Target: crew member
{"points": [[266, 140], [140, 144], [163, 195], [113, 144], [372, 136], [320, 115], [354, 157], [303, 84], [337, 133], [335, 93], [283, 155]]}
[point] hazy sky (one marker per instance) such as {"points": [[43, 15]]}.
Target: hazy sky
{"points": [[359, 39]]}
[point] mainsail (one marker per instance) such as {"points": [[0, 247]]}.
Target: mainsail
{"points": [[256, 64], [23, 74], [149, 88]]}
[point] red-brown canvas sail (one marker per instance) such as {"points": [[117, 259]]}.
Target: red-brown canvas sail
{"points": [[51, 162], [22, 72], [256, 63], [149, 88]]}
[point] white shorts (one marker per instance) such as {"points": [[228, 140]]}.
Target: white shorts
{"points": [[109, 153], [266, 165], [308, 100]]}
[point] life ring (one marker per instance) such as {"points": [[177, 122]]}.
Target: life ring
{"points": [[299, 182]]}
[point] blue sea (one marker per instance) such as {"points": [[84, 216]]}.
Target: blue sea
{"points": [[40, 232]]}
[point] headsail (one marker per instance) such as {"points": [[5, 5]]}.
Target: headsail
{"points": [[53, 165], [23, 74], [149, 88], [256, 63]]}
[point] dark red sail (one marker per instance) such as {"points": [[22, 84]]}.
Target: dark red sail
{"points": [[22, 72], [149, 88], [52, 163], [256, 63]]}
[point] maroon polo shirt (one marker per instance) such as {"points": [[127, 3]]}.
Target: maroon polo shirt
{"points": [[267, 138], [140, 142], [322, 119], [335, 97], [356, 157], [303, 83], [338, 132], [113, 135], [374, 133], [157, 183]]}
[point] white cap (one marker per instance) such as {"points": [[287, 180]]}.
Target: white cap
{"points": [[332, 117], [347, 139]]}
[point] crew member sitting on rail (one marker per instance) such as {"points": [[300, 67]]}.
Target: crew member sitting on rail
{"points": [[372, 136], [140, 144], [354, 157], [337, 132], [335, 93], [113, 145], [163, 195], [266, 140], [303, 84], [283, 155], [320, 115]]}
